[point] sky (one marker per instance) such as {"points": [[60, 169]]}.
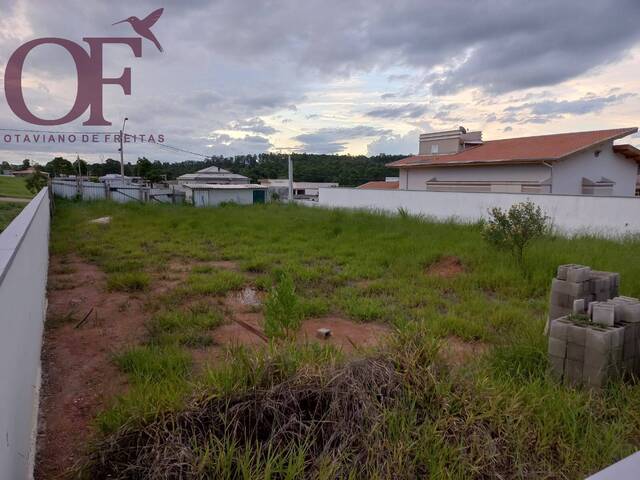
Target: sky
{"points": [[329, 76]]}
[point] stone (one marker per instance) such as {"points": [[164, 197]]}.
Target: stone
{"points": [[603, 313], [323, 333], [101, 220]]}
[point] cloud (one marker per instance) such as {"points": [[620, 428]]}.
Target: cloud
{"points": [[395, 144], [223, 144], [255, 124], [334, 140], [408, 110]]}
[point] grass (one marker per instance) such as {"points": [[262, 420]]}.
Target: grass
{"points": [[128, 281], [9, 211], [14, 187], [499, 416]]}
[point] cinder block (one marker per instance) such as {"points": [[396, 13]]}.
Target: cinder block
{"points": [[617, 337], [561, 300], [575, 352], [572, 372], [603, 313], [630, 312], [598, 340], [578, 274], [579, 306], [576, 334], [558, 329], [557, 348], [595, 377], [570, 288], [556, 367], [557, 312], [561, 274], [595, 358], [616, 357]]}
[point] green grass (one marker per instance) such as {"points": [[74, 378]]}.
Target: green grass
{"points": [[128, 281], [14, 187], [9, 211], [501, 414]]}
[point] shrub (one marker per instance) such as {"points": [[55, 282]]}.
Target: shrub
{"points": [[515, 228], [282, 315], [36, 182]]}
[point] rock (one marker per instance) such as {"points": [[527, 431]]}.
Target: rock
{"points": [[101, 220], [323, 333]]}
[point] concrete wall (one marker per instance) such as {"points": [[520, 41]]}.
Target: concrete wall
{"points": [[416, 178], [605, 216], [211, 198], [568, 173], [24, 258]]}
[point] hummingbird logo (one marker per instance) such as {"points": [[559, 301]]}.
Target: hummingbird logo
{"points": [[143, 27]]}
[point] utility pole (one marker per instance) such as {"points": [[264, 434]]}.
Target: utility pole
{"points": [[122, 150], [290, 178]]}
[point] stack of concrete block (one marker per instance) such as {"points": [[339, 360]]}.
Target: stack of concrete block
{"points": [[582, 353], [627, 315]]}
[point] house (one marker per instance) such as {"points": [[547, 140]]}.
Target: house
{"points": [[211, 195], [27, 172], [578, 163], [114, 179], [213, 175], [301, 190]]}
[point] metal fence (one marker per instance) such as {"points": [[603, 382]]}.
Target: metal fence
{"points": [[117, 192]]}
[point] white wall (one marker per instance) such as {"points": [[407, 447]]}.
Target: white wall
{"points": [[416, 178], [24, 258], [568, 173], [606, 216]]}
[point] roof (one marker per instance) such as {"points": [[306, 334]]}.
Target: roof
{"points": [[283, 182], [519, 150], [628, 151], [210, 172], [224, 186], [380, 186]]}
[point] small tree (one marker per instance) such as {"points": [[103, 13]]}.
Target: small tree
{"points": [[282, 313], [36, 182], [515, 228]]}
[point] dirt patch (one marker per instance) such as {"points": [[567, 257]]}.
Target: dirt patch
{"points": [[456, 351], [345, 334], [446, 267], [78, 375]]}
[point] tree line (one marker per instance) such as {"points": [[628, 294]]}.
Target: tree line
{"points": [[347, 170]]}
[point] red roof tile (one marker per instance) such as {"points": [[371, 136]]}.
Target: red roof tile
{"points": [[380, 186], [519, 150]]}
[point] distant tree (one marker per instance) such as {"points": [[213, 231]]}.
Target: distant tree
{"points": [[36, 181], [59, 166], [516, 228], [83, 167], [6, 166], [26, 163]]}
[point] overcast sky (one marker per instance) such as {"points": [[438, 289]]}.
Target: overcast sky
{"points": [[332, 76]]}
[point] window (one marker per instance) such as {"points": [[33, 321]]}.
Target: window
{"points": [[434, 149]]}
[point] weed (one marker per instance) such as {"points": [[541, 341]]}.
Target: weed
{"points": [[128, 281], [218, 282], [282, 313]]}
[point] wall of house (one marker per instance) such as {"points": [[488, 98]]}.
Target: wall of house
{"points": [[211, 198], [568, 173], [570, 214], [24, 259], [416, 178]]}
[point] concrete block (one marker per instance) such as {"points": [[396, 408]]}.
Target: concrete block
{"points": [[556, 367], [576, 334], [603, 313], [561, 300], [617, 337], [578, 274], [557, 312], [616, 357], [594, 358], [575, 352], [570, 288], [572, 372], [579, 306], [595, 377], [630, 312], [557, 348], [561, 274], [323, 333], [558, 329], [598, 340]]}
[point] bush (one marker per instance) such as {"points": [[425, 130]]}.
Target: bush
{"points": [[515, 228], [282, 314], [36, 181]]}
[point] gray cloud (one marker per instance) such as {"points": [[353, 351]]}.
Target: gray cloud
{"points": [[255, 124], [333, 140], [408, 110], [395, 144]]}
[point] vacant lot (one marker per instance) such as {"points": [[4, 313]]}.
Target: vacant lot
{"points": [[156, 366], [9, 211], [14, 187]]}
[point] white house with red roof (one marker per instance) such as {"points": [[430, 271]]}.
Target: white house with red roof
{"points": [[578, 163]]}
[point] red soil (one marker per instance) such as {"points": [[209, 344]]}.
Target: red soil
{"points": [[446, 267]]}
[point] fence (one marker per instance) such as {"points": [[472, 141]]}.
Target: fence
{"points": [[570, 214], [116, 192], [24, 259]]}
